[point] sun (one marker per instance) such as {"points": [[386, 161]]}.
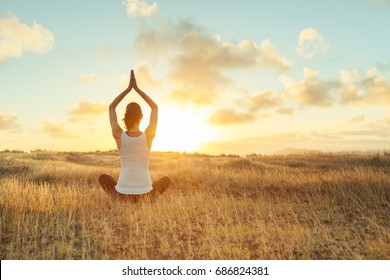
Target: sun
{"points": [[181, 130]]}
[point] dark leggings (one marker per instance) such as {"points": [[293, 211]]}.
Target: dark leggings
{"points": [[108, 184]]}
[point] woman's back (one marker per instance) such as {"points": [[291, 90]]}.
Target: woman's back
{"points": [[134, 154], [134, 180]]}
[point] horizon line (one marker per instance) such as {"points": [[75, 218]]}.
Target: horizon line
{"points": [[298, 151]]}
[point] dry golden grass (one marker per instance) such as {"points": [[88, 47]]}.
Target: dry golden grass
{"points": [[329, 206]]}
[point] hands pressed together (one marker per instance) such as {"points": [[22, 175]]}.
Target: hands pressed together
{"points": [[133, 85], [133, 82]]}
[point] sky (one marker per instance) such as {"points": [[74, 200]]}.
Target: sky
{"points": [[232, 77]]}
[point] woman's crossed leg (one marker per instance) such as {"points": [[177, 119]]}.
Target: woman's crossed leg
{"points": [[108, 184]]}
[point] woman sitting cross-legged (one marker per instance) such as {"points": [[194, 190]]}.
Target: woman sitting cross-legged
{"points": [[134, 146]]}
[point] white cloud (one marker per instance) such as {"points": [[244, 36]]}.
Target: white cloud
{"points": [[263, 100], [310, 43], [84, 112], [230, 116], [9, 122], [349, 88], [198, 59], [370, 89], [311, 90], [85, 109], [144, 75], [17, 38], [257, 106], [140, 8], [271, 58], [56, 129]]}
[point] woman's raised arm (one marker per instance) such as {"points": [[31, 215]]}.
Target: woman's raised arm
{"points": [[115, 128], [151, 129]]}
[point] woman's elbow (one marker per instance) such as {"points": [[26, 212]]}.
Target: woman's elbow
{"points": [[111, 107]]}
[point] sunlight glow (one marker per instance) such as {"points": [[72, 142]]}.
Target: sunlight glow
{"points": [[181, 130]]}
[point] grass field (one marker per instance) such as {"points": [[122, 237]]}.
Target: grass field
{"points": [[324, 206]]}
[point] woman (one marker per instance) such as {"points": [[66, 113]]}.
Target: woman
{"points": [[134, 146]]}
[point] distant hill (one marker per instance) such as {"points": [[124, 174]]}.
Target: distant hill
{"points": [[295, 151]]}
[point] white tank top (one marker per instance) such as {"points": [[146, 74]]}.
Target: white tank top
{"points": [[134, 154]]}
